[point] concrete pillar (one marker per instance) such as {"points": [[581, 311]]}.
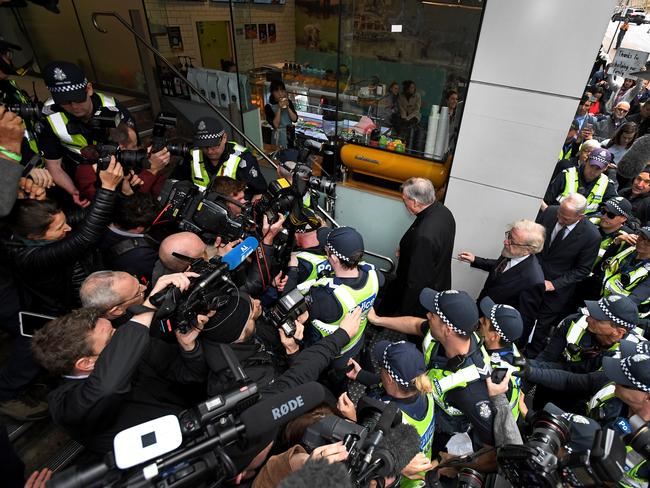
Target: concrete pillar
{"points": [[532, 63]]}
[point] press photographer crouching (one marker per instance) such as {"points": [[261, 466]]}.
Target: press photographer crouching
{"points": [[117, 378]]}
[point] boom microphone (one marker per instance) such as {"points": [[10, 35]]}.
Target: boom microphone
{"points": [[276, 411], [635, 159], [398, 447], [240, 252]]}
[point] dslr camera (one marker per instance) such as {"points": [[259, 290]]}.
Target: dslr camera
{"points": [[204, 213], [287, 309], [26, 111], [162, 124], [131, 160]]}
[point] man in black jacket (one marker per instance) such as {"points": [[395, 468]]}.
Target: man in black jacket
{"points": [[570, 249], [114, 379], [639, 195], [516, 278], [424, 251]]}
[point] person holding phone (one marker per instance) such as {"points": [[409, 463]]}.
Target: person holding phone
{"points": [[281, 114]]}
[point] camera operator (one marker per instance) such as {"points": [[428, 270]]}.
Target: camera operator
{"points": [[403, 376], [330, 299], [125, 245], [456, 361], [67, 128], [149, 180], [213, 155], [114, 379], [500, 326], [231, 188]]}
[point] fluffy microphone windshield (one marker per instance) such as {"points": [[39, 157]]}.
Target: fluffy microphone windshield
{"points": [[318, 473], [636, 158], [403, 442]]}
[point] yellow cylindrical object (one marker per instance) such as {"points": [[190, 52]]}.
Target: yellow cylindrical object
{"points": [[393, 166]]}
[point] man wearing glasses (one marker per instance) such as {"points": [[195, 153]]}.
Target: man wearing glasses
{"points": [[516, 277], [66, 128], [606, 127]]}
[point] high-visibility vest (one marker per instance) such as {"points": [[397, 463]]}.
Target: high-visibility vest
{"points": [[200, 176], [59, 120], [633, 462], [350, 298], [624, 284], [320, 267], [425, 428], [497, 361], [599, 399], [605, 243], [595, 197]]}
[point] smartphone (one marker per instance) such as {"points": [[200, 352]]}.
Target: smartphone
{"points": [[588, 127], [498, 374], [31, 322]]}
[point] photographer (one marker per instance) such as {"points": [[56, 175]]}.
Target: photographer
{"points": [[67, 127], [330, 299], [403, 376], [114, 379], [213, 155], [47, 263], [149, 180], [125, 246]]}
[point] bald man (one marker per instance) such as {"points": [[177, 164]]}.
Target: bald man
{"points": [[184, 243]]}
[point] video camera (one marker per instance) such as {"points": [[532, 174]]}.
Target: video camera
{"points": [[287, 309], [163, 122], [209, 291], [131, 160], [366, 459], [204, 213], [26, 111]]}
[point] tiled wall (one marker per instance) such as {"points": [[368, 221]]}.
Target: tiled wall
{"points": [[250, 53]]}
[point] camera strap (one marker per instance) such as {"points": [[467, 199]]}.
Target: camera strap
{"points": [[138, 309]]}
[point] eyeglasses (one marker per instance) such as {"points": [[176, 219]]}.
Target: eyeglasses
{"points": [[619, 109], [513, 243], [141, 291], [610, 215]]}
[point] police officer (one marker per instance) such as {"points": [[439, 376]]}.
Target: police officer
{"points": [[11, 94], [404, 381], [353, 285], [213, 155], [309, 262], [631, 375], [626, 273], [456, 360], [581, 340], [588, 180], [67, 128], [500, 326]]}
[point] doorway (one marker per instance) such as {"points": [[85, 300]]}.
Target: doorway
{"points": [[214, 42]]}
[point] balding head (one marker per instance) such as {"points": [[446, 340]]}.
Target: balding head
{"points": [[185, 243], [111, 292], [621, 110]]}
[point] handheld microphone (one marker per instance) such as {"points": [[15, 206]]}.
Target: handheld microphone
{"points": [[239, 253], [276, 411], [622, 426]]}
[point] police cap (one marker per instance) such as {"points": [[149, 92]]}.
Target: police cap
{"points": [[455, 308], [616, 308], [66, 82], [402, 361], [208, 132], [505, 319], [344, 243]]}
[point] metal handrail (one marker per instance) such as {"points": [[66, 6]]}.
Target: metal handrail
{"points": [[207, 101]]}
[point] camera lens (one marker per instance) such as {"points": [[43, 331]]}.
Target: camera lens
{"points": [[469, 478]]}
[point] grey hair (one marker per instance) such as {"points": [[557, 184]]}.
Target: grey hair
{"points": [[590, 144], [535, 233], [575, 202], [97, 290], [419, 189]]}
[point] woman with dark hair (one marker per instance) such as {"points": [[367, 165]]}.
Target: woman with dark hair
{"points": [[48, 261], [388, 105], [621, 141], [409, 103], [597, 104], [280, 114]]}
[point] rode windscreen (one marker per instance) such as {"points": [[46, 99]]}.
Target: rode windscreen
{"points": [[399, 445], [636, 158], [276, 411], [240, 252]]}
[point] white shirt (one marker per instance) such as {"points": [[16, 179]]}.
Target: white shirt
{"points": [[514, 262], [567, 230]]}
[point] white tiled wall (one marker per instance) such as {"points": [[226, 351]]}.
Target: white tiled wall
{"points": [[532, 63]]}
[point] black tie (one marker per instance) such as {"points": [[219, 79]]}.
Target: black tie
{"points": [[558, 237], [501, 266]]}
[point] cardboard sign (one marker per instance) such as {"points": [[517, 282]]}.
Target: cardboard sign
{"points": [[628, 61]]}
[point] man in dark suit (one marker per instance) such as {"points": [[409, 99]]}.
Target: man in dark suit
{"points": [[516, 278], [424, 251], [570, 249]]}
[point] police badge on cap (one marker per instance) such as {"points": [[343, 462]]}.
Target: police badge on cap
{"points": [[66, 82], [208, 132]]}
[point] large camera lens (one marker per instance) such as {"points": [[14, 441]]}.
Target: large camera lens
{"points": [[469, 478], [323, 185], [550, 432], [179, 149], [639, 439], [25, 110], [135, 160]]}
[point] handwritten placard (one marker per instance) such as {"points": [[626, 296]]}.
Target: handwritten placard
{"points": [[628, 61]]}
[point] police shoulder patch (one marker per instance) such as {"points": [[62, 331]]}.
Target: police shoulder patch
{"points": [[484, 410]]}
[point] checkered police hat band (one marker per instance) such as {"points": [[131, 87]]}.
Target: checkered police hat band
{"points": [[443, 317], [331, 249], [612, 317], [68, 88], [617, 207], [598, 157], [213, 135], [392, 373], [495, 323], [625, 367]]}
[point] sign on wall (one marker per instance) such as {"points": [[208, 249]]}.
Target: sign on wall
{"points": [[627, 61]]}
